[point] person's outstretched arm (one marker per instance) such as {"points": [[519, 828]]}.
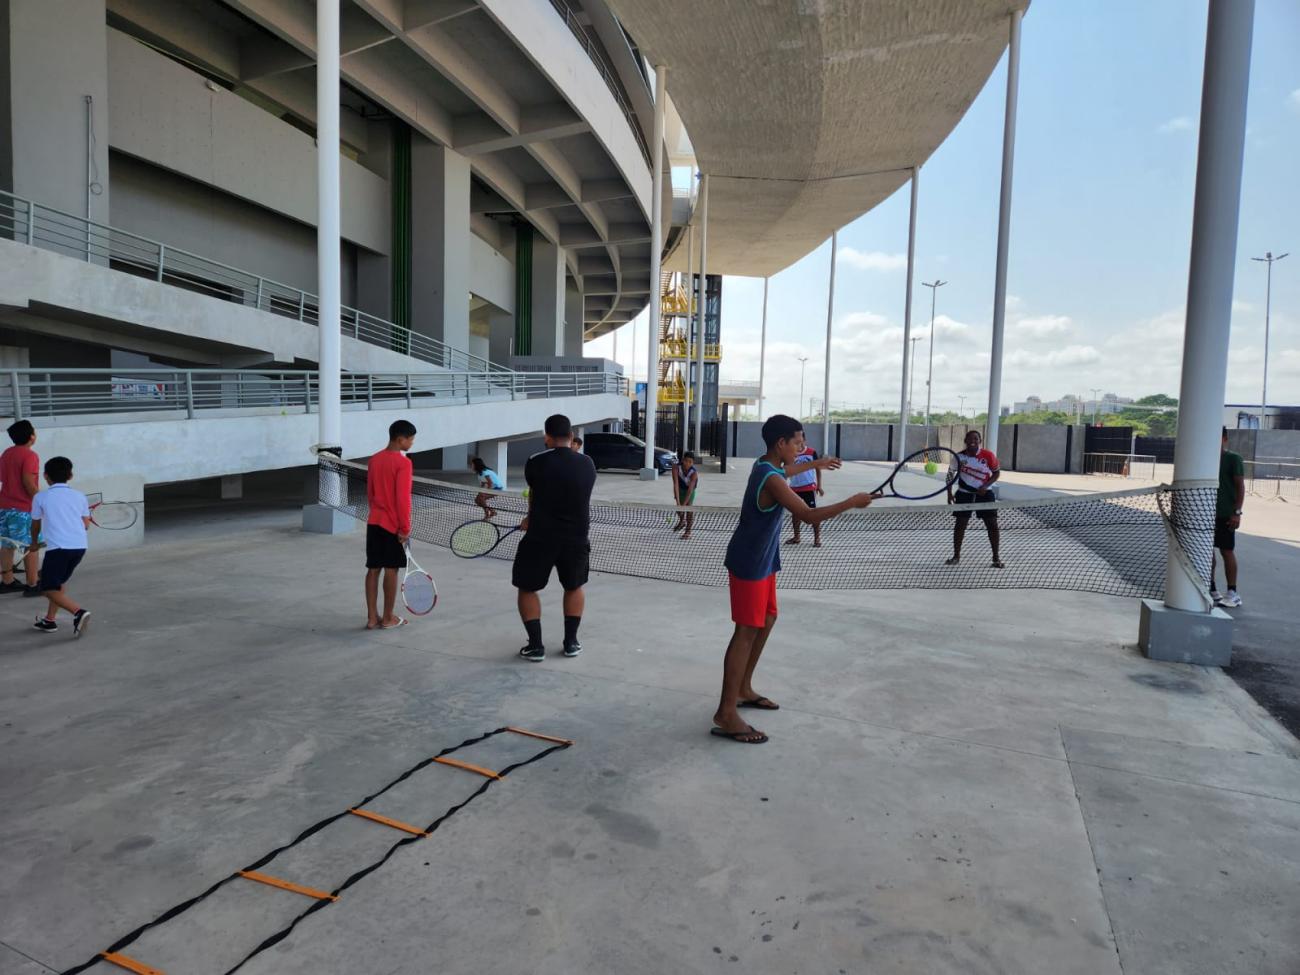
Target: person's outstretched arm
{"points": [[779, 492]]}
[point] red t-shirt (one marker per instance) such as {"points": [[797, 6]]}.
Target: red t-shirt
{"points": [[978, 470], [388, 489], [14, 463]]}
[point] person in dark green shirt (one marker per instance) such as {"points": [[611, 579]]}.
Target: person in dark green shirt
{"points": [[1227, 519]]}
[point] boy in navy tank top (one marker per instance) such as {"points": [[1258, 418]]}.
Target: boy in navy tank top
{"points": [[754, 559]]}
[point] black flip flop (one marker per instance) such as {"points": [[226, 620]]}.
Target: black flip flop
{"points": [[761, 703], [740, 737]]}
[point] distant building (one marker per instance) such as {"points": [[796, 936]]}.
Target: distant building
{"points": [[1245, 416]]}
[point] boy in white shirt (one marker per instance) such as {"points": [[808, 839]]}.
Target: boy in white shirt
{"points": [[61, 515]]}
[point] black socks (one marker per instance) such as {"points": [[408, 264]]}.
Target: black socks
{"points": [[571, 624], [534, 628]]}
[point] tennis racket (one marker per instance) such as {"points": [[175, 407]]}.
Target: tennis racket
{"points": [[20, 550], [940, 457], [418, 591], [111, 515], [475, 539]]}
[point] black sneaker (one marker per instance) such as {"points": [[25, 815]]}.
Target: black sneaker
{"points": [[533, 654], [44, 625], [30, 591], [80, 622], [14, 586], [572, 649]]}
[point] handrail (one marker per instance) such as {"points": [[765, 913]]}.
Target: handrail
{"points": [[607, 72], [181, 393], [38, 225]]}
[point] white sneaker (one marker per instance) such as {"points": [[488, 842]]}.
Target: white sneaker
{"points": [[1231, 600]]}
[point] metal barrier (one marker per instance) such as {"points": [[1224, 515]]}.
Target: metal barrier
{"points": [[1273, 481], [1121, 465], [607, 72], [41, 226], [173, 393]]}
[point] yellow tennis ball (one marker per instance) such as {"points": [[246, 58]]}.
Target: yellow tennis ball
{"points": [[931, 467], [526, 493]]}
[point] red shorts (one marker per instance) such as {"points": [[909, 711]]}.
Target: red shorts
{"points": [[752, 600]]}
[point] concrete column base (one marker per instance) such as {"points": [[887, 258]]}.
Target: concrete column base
{"points": [[649, 474], [232, 486], [1177, 636], [324, 520]]}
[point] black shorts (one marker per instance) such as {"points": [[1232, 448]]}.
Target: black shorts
{"points": [[968, 497], [536, 556], [383, 550], [808, 497], [58, 566], [1225, 538]]}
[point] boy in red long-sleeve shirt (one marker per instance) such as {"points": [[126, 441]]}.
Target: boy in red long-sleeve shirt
{"points": [[388, 489]]}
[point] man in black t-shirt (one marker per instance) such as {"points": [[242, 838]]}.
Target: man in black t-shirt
{"points": [[555, 535]]}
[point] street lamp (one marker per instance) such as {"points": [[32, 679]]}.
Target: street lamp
{"points": [[934, 287], [911, 382], [1095, 391], [1268, 259], [803, 367], [961, 406]]}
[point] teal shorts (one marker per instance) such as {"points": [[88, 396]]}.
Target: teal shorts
{"points": [[15, 526]]}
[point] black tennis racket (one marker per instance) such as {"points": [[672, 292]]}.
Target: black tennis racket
{"points": [[475, 539], [930, 463]]}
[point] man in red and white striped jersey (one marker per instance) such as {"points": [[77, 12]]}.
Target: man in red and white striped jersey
{"points": [[977, 472]]}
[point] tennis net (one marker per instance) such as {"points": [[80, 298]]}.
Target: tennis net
{"points": [[1114, 543]]}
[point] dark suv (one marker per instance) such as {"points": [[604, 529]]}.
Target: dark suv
{"points": [[622, 451]]}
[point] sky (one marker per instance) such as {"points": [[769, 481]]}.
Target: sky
{"points": [[1105, 168]]}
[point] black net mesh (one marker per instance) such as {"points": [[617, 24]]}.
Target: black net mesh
{"points": [[1116, 544]]}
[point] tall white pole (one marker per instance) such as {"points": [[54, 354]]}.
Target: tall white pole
{"points": [[631, 369], [691, 309], [1268, 259], [934, 287], [649, 472], [905, 390], [826, 384], [1210, 274], [328, 260], [1004, 234], [803, 371], [699, 341], [762, 351]]}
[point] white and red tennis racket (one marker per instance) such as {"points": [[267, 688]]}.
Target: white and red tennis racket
{"points": [[111, 515], [418, 590]]}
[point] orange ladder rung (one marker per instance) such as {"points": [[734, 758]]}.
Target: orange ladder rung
{"points": [[456, 763], [130, 964], [264, 878], [534, 734], [385, 821]]}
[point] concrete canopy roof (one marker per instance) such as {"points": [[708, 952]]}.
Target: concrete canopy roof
{"points": [[808, 113]]}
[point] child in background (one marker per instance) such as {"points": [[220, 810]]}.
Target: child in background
{"points": [[487, 478], [62, 515], [686, 478]]}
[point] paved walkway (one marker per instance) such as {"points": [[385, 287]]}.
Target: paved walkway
{"points": [[989, 782]]}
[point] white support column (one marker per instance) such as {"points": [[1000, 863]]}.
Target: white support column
{"points": [[574, 319], [330, 430], [1186, 628], [762, 352], [649, 472], [699, 340], [548, 298], [440, 242], [826, 385], [690, 328], [496, 454], [1004, 234], [905, 407]]}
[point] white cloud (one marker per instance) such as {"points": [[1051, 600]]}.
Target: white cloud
{"points": [[1180, 124], [1044, 326], [1071, 355], [1293, 99], [872, 260]]}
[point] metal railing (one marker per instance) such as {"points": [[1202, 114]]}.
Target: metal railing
{"points": [[175, 393], [1273, 481], [612, 81], [1121, 465], [41, 226]]}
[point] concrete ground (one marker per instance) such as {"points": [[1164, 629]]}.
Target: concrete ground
{"points": [[988, 782]]}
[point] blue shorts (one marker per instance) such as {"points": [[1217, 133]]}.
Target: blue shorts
{"points": [[16, 525], [58, 567]]}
